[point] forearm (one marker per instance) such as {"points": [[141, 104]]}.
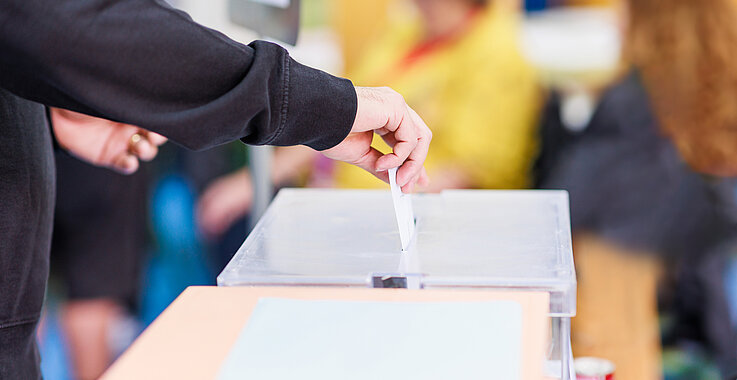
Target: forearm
{"points": [[143, 63]]}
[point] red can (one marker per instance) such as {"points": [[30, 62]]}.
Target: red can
{"points": [[588, 368]]}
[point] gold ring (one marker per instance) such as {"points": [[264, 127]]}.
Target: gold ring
{"points": [[135, 139]]}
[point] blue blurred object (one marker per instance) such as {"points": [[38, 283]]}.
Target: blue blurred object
{"points": [[730, 284], [179, 259], [535, 5], [52, 345]]}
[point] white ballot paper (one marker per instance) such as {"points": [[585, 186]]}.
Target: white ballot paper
{"points": [[403, 210], [337, 340]]}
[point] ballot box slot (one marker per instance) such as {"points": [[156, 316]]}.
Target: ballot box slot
{"points": [[395, 280]]}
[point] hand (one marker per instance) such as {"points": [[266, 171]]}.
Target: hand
{"points": [[103, 142], [384, 112], [223, 202]]}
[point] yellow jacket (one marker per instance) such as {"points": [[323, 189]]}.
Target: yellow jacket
{"points": [[476, 93]]}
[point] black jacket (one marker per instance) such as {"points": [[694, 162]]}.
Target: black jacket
{"points": [[143, 63]]}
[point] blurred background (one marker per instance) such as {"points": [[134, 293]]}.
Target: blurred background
{"points": [[547, 94]]}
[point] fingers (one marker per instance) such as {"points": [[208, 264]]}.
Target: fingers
{"points": [[405, 141], [142, 147], [125, 163], [368, 162], [413, 169], [212, 217], [411, 142], [425, 136], [156, 139], [384, 112], [424, 179], [409, 173], [421, 179], [223, 202]]}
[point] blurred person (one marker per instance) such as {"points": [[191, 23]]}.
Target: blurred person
{"points": [[356, 23], [458, 65], [148, 65], [228, 199], [636, 196], [685, 53], [634, 204]]}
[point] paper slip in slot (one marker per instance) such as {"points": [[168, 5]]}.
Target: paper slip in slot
{"points": [[403, 210]]}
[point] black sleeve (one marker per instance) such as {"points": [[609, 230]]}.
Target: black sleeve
{"points": [[144, 63]]}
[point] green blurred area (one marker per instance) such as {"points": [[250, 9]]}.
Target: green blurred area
{"points": [[315, 13], [688, 364]]}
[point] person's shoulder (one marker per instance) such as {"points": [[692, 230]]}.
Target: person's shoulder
{"points": [[491, 51], [629, 91], [625, 107], [495, 30]]}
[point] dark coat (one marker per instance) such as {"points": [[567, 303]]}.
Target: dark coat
{"points": [[139, 62]]}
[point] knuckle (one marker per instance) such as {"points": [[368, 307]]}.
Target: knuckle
{"points": [[395, 96], [385, 92], [399, 97]]}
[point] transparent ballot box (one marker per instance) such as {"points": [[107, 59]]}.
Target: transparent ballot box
{"points": [[464, 239]]}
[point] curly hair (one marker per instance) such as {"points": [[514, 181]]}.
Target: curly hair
{"points": [[686, 51]]}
